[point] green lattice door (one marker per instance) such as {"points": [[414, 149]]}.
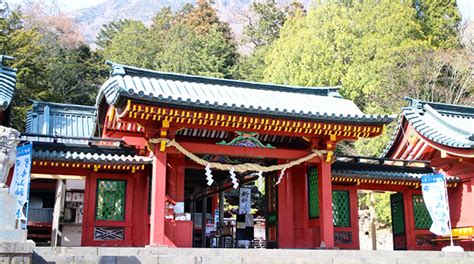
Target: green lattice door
{"points": [[398, 222], [420, 212], [341, 213], [110, 200]]}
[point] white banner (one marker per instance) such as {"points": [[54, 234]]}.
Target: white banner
{"points": [[436, 201], [245, 201], [20, 185]]}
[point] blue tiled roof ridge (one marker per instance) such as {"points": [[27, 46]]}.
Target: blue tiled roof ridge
{"points": [[120, 69], [444, 108], [64, 105], [61, 119]]}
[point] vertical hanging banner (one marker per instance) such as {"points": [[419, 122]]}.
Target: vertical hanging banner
{"points": [[436, 201], [20, 186], [245, 201]]}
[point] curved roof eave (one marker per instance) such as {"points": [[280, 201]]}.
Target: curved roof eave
{"points": [[7, 83], [198, 92]]}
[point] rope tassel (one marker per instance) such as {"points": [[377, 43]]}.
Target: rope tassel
{"points": [[233, 178], [281, 176], [208, 173], [260, 183]]}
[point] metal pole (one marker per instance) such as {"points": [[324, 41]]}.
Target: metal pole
{"points": [[204, 221], [449, 212], [193, 219], [221, 213], [373, 232], [58, 204]]}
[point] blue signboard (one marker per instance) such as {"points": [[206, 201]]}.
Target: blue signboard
{"points": [[20, 185]]}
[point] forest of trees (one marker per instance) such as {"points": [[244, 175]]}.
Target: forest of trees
{"points": [[376, 51]]}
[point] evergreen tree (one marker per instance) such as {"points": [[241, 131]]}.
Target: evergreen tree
{"points": [[30, 60], [192, 40], [108, 31], [263, 28], [74, 75], [352, 47], [440, 20], [131, 45], [51, 65]]}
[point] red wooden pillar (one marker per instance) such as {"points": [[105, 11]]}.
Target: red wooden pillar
{"points": [[175, 178], [141, 229], [409, 220], [286, 211], [180, 174], [354, 209], [325, 204], [215, 204], [158, 193], [89, 208]]}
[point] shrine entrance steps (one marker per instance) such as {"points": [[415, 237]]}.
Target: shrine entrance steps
{"points": [[106, 255]]}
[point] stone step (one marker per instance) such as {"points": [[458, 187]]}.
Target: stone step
{"points": [[197, 256]]}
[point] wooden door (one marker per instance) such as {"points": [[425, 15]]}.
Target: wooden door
{"points": [[398, 222], [271, 217]]}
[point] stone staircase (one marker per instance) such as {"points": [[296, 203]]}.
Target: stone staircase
{"points": [[117, 255]]}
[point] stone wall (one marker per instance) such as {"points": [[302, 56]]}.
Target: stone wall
{"points": [[16, 252]]}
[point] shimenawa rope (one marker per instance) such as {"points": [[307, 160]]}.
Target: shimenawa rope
{"points": [[241, 168]]}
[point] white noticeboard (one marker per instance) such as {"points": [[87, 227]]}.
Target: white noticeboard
{"points": [[20, 185], [436, 201], [245, 201]]}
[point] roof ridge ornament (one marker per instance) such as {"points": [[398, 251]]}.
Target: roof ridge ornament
{"points": [[246, 139], [116, 69], [4, 58]]}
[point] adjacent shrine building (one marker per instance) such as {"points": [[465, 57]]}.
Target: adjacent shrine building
{"points": [[443, 135]]}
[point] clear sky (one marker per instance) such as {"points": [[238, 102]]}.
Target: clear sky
{"points": [[466, 6], [71, 5]]}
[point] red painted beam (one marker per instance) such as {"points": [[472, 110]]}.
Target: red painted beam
{"points": [[200, 148], [176, 127], [137, 113]]}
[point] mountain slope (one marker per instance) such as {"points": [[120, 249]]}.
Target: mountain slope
{"points": [[90, 20]]}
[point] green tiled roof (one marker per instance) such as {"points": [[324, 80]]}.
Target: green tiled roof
{"points": [[380, 170], [87, 150], [446, 124], [7, 83], [180, 90], [61, 119]]}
